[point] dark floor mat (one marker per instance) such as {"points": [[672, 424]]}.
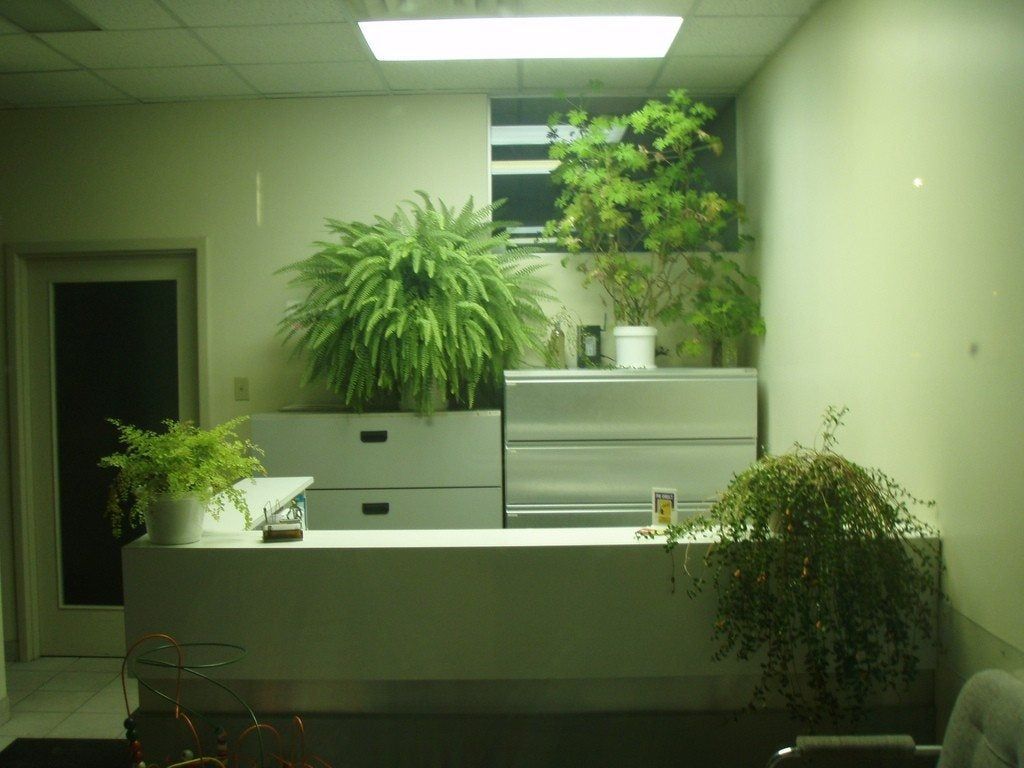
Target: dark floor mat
{"points": [[65, 753]]}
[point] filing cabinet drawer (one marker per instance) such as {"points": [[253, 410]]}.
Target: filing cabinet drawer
{"points": [[383, 450], [630, 405], [404, 508], [621, 471]]}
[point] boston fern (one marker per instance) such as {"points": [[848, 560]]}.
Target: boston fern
{"points": [[431, 299], [822, 575]]}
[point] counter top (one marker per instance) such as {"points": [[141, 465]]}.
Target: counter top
{"points": [[484, 538]]}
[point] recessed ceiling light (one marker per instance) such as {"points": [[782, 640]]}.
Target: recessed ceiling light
{"points": [[562, 37]]}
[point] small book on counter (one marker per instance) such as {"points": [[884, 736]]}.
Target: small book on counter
{"points": [[282, 532]]}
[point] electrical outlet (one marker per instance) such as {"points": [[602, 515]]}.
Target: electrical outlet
{"points": [[241, 388]]}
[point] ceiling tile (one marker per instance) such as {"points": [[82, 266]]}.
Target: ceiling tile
{"points": [[177, 83], [431, 9], [138, 48], [754, 7], [287, 43], [579, 73], [124, 14], [32, 89], [715, 73], [6, 28], [323, 77], [234, 13], [605, 7], [728, 36], [23, 53], [450, 75]]}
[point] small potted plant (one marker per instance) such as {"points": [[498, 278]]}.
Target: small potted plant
{"points": [[636, 210], [822, 575], [722, 308], [170, 479], [432, 301]]}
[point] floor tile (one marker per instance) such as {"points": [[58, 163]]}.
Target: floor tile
{"points": [[89, 725], [43, 664], [26, 680], [78, 681], [97, 664], [18, 695], [52, 701], [111, 700], [32, 724]]}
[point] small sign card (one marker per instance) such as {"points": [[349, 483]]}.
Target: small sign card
{"points": [[663, 506]]}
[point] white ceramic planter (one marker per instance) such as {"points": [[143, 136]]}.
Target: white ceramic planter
{"points": [[634, 346], [175, 521]]}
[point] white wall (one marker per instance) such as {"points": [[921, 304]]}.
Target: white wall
{"points": [[193, 170], [905, 303]]}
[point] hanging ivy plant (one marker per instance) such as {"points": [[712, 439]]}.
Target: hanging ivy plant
{"points": [[822, 574]]}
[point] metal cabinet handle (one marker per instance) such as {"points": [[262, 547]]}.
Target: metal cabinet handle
{"points": [[374, 435], [376, 508]]}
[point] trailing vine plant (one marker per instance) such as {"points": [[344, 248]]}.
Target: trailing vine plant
{"points": [[822, 575], [433, 299]]}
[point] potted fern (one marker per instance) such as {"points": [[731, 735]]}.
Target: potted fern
{"points": [[431, 300], [636, 209], [821, 574], [170, 479]]}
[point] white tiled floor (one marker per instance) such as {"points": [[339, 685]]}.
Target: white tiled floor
{"points": [[66, 697]]}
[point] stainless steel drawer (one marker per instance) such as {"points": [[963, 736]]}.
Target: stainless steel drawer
{"points": [[383, 450], [588, 516], [621, 471], [627, 404], [404, 508]]}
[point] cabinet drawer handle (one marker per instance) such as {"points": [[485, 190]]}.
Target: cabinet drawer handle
{"points": [[374, 435], [376, 508]]}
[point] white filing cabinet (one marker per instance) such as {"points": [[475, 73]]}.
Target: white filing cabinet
{"points": [[585, 447], [389, 470]]}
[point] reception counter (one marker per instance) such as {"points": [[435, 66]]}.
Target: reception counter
{"points": [[526, 620], [477, 647], [466, 619]]}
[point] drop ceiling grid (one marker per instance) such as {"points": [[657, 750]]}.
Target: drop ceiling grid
{"points": [[285, 44], [23, 53], [184, 49], [131, 48], [240, 13], [125, 14], [179, 83], [45, 89]]}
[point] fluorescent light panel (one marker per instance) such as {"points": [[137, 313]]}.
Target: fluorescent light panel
{"points": [[562, 37]]}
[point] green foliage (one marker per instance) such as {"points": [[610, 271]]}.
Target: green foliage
{"points": [[820, 575], [431, 299], [723, 305], [642, 193], [183, 460]]}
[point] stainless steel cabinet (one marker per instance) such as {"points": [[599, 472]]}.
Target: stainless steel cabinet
{"points": [[390, 470], [586, 447]]}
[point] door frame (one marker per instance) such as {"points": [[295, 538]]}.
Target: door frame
{"points": [[17, 258]]}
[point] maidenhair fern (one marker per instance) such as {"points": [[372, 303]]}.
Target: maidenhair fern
{"points": [[432, 298]]}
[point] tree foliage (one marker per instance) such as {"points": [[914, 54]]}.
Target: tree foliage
{"points": [[631, 183]]}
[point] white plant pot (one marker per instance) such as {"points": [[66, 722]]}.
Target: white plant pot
{"points": [[634, 346], [175, 521]]}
